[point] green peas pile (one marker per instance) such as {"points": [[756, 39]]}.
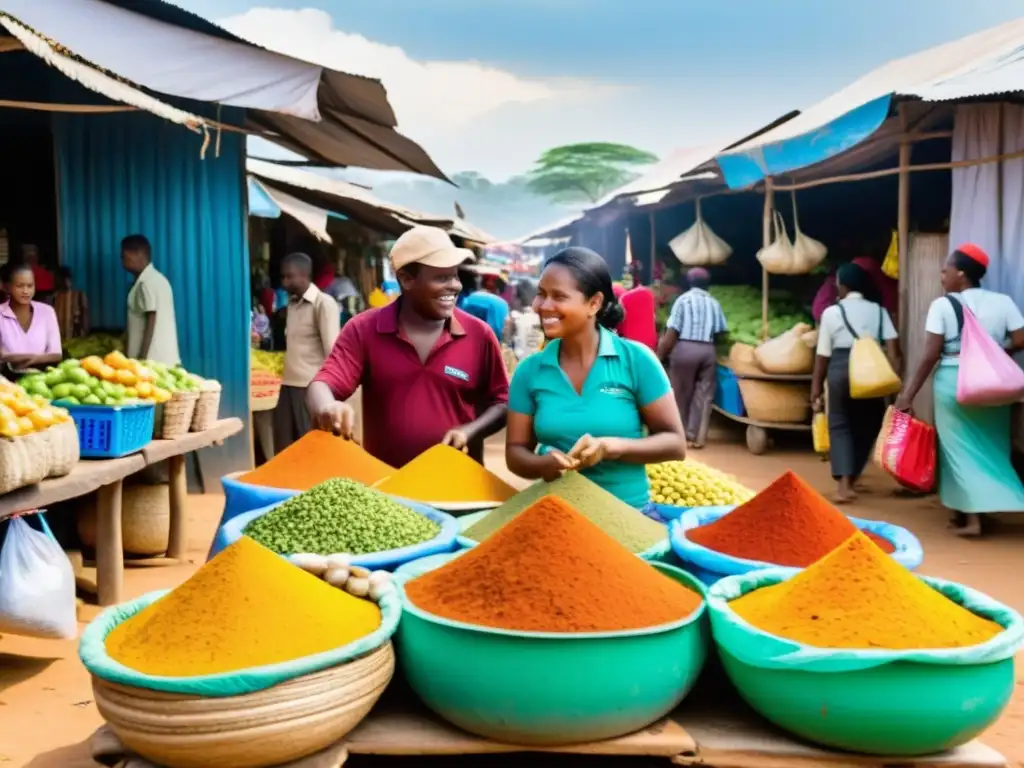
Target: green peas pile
{"points": [[340, 516]]}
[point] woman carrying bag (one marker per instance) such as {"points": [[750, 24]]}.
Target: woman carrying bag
{"points": [[855, 376], [975, 473]]}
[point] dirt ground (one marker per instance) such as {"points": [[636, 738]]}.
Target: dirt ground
{"points": [[46, 707]]}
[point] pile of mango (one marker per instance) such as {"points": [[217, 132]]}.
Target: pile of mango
{"points": [[267, 362], [23, 414], [692, 484], [111, 380]]}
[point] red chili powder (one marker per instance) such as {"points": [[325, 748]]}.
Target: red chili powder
{"points": [[788, 523]]}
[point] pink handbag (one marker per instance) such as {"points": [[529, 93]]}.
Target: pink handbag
{"points": [[988, 376]]}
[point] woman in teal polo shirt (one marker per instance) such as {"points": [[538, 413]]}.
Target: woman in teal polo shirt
{"points": [[584, 401]]}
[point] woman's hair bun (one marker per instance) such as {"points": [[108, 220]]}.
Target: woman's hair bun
{"points": [[611, 315]]}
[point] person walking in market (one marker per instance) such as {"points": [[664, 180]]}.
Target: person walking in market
{"points": [[430, 373], [312, 324], [688, 345], [976, 476], [639, 324], [152, 331], [853, 424], [590, 401]]}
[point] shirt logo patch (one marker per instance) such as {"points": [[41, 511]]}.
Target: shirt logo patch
{"points": [[614, 391], [450, 371]]}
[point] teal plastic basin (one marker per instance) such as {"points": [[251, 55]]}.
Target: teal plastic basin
{"points": [[547, 689]]}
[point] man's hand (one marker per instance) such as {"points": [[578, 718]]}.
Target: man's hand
{"points": [[590, 451], [338, 418], [457, 438], [556, 465]]}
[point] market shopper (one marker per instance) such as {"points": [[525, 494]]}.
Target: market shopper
{"points": [[152, 331], [976, 476], [585, 401], [639, 324], [430, 373], [525, 335], [853, 425], [29, 334], [688, 345], [311, 327], [487, 304]]}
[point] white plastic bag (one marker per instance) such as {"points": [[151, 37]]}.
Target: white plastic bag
{"points": [[778, 257], [37, 584], [807, 252], [699, 246]]}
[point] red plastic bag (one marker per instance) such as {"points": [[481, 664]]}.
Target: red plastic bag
{"points": [[906, 449]]}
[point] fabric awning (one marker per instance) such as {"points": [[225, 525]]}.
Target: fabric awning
{"points": [[311, 217], [261, 204]]}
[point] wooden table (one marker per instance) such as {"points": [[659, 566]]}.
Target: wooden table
{"points": [[107, 477]]}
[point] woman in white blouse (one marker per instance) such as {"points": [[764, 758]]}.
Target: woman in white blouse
{"points": [[975, 473], [853, 425]]}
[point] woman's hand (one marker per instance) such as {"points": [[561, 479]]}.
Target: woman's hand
{"points": [[555, 465], [817, 403], [590, 451], [904, 402]]}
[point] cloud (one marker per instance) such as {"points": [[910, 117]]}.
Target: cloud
{"points": [[430, 98]]}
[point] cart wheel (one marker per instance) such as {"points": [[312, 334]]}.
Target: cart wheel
{"points": [[757, 440]]}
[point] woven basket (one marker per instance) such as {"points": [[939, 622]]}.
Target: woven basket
{"points": [[271, 727], [207, 409], [742, 360], [174, 418], [776, 402]]}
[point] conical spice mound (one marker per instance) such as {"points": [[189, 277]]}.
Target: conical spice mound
{"points": [[788, 523], [442, 474], [859, 597]]}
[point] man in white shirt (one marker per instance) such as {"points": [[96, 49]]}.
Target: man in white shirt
{"points": [[151, 328]]}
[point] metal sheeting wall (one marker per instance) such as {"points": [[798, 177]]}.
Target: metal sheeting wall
{"points": [[128, 173]]}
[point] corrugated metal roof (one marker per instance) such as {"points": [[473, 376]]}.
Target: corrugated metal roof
{"points": [[984, 63]]}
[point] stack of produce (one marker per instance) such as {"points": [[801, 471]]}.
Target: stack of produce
{"points": [[314, 458], [627, 526], [444, 477], [552, 570], [266, 369], [268, 362], [856, 597], [37, 440], [742, 307], [245, 608], [692, 484], [788, 524], [95, 344], [340, 516]]}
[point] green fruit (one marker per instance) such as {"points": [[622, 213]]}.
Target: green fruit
{"points": [[81, 391], [77, 375], [62, 391], [91, 400], [107, 387], [111, 401], [72, 401], [67, 365], [119, 391], [54, 377]]}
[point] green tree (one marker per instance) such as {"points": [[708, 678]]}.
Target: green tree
{"points": [[585, 172]]}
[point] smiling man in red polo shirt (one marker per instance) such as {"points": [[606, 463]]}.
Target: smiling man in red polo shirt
{"points": [[430, 373]]}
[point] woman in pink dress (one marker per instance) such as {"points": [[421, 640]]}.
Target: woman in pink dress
{"points": [[29, 333]]}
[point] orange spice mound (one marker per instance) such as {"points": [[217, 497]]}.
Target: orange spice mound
{"points": [[788, 523], [314, 458], [550, 569], [442, 474]]}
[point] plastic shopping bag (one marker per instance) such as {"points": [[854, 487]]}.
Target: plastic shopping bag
{"points": [[871, 374], [906, 449], [37, 584], [891, 264], [819, 432], [987, 376]]}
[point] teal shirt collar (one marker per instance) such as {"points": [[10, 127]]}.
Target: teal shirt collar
{"points": [[606, 347]]}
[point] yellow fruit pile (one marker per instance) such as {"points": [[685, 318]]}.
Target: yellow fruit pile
{"points": [[692, 484], [22, 414], [268, 362], [138, 379]]}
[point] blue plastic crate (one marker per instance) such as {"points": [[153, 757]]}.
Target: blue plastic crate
{"points": [[112, 431], [727, 392]]}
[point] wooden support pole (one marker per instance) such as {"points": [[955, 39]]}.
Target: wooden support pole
{"points": [[109, 545], [177, 538], [766, 240], [903, 225], [654, 244]]}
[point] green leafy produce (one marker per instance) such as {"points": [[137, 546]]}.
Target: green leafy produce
{"points": [[99, 344], [340, 516], [742, 307]]}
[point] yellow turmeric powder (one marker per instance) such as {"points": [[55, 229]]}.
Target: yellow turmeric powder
{"points": [[442, 474], [245, 608], [859, 597]]}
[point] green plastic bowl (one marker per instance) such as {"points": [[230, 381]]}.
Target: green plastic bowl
{"points": [[547, 689]]}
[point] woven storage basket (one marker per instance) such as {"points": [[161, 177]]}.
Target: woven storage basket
{"points": [[776, 402], [64, 448], [271, 727], [207, 409], [174, 418], [742, 360]]}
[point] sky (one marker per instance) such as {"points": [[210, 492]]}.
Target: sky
{"points": [[488, 85]]}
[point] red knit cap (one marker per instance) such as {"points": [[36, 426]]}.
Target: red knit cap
{"points": [[973, 252]]}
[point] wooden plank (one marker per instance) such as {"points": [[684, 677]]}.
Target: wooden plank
{"points": [[86, 477], [161, 450]]}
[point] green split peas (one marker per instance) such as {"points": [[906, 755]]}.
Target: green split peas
{"points": [[340, 516]]}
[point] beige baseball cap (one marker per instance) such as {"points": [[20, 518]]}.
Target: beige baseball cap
{"points": [[430, 246]]}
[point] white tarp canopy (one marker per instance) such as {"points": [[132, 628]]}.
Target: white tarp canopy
{"points": [[311, 217]]}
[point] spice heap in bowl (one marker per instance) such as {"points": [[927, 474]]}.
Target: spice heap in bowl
{"points": [[314, 458], [627, 526], [448, 479], [788, 524], [845, 652], [551, 632]]}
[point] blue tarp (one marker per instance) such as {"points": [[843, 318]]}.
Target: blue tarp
{"points": [[260, 204]]}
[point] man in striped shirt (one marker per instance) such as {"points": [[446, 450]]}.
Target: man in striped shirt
{"points": [[688, 344]]}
